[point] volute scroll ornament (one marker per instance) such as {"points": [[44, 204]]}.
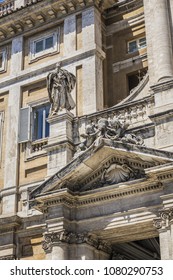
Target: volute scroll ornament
{"points": [[164, 220]]}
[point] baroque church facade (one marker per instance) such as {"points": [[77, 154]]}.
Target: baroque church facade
{"points": [[86, 129]]}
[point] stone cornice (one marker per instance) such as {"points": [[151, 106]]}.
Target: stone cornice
{"points": [[55, 182], [161, 115], [122, 7], [39, 13], [43, 203], [9, 223], [162, 86], [42, 70], [74, 238]]}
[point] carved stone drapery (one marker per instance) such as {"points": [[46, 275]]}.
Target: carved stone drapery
{"points": [[75, 238], [164, 220], [113, 129], [60, 83]]}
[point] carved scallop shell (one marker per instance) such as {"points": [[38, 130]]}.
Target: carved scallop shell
{"points": [[117, 173]]}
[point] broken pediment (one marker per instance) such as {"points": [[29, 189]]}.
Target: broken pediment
{"points": [[109, 163]]}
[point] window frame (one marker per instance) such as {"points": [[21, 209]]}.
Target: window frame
{"points": [[139, 47], [2, 117], [54, 49], [33, 129], [3, 52], [29, 141]]}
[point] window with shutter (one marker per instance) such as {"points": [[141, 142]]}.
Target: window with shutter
{"points": [[40, 125], [24, 129]]}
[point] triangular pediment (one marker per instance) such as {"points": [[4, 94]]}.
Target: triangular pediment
{"points": [[109, 163]]}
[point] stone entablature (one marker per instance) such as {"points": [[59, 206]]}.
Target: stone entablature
{"points": [[39, 13], [134, 176]]}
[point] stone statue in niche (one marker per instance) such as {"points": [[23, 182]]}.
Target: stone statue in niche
{"points": [[113, 129], [60, 83]]}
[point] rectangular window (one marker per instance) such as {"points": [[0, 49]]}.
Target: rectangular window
{"points": [[49, 43], [44, 45], [136, 45], [2, 61], [142, 43], [1, 133], [39, 46], [40, 125], [133, 47]]}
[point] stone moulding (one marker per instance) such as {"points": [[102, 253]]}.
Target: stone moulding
{"points": [[50, 12], [61, 179], [9, 224], [43, 203]]}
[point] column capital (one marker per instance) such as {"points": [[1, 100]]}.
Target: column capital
{"points": [[65, 237], [164, 219]]}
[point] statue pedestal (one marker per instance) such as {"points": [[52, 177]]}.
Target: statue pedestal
{"points": [[60, 143]]}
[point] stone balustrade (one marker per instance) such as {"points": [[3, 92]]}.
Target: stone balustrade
{"points": [[133, 113], [6, 7], [38, 145]]}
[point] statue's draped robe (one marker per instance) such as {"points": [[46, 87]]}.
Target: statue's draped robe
{"points": [[59, 85]]}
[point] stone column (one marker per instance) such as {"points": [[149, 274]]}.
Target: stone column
{"points": [[164, 225], [158, 33], [60, 143]]}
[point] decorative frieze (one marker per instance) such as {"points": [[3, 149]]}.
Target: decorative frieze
{"points": [[114, 129], [133, 114], [164, 220], [54, 238], [70, 201]]}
